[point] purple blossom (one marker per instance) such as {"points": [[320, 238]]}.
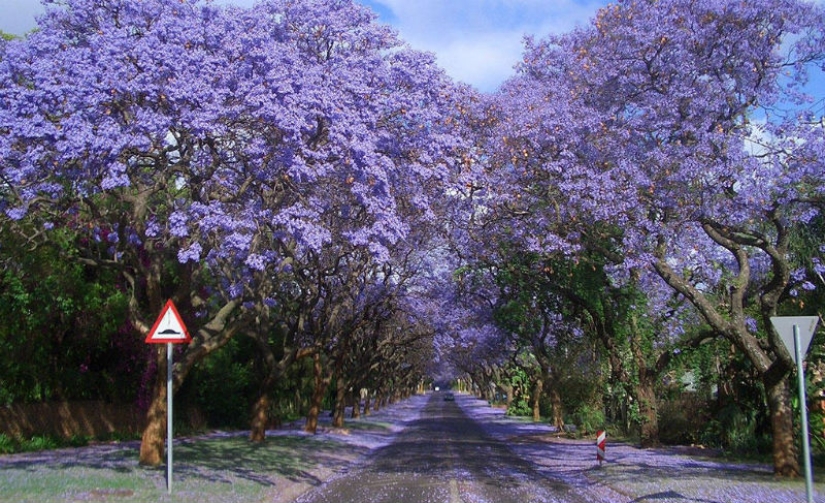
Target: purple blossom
{"points": [[235, 290], [256, 262], [178, 224], [16, 213], [153, 229], [115, 177], [190, 254]]}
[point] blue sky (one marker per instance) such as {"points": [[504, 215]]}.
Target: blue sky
{"points": [[475, 41]]}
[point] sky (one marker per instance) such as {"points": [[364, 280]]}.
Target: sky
{"points": [[476, 41], [479, 41]]}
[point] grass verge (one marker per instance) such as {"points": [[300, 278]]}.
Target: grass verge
{"points": [[225, 469]]}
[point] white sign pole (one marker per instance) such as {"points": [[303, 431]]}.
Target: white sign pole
{"points": [[803, 410], [169, 417]]}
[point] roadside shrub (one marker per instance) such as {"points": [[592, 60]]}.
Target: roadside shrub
{"points": [[816, 419], [735, 430], [7, 444], [682, 419], [12, 445], [222, 386], [588, 419], [39, 443], [78, 441], [520, 406]]}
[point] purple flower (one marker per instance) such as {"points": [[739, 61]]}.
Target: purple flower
{"points": [[256, 262], [178, 224], [192, 253], [17, 213], [115, 177]]}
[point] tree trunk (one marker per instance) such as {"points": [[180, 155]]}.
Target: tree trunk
{"points": [[367, 410], [537, 392], [340, 403], [487, 394], [275, 369], [785, 460], [356, 406], [558, 409], [154, 435], [318, 392], [379, 397], [649, 419], [260, 409], [260, 417], [644, 391], [508, 393], [773, 372]]}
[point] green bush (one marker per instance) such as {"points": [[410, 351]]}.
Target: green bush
{"points": [[7, 444], [682, 419], [78, 441], [520, 406], [222, 386], [735, 430], [11, 445], [588, 419], [39, 443]]}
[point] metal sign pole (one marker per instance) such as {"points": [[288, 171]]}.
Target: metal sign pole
{"points": [[169, 417], [169, 329], [803, 410]]}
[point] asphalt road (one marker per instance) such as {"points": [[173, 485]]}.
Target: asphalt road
{"points": [[442, 457]]}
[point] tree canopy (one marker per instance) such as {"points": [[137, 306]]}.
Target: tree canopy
{"points": [[294, 173]]}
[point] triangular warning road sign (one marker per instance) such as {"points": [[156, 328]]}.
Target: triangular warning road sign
{"points": [[806, 326], [169, 327]]}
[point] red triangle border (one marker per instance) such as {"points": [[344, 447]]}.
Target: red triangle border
{"points": [[153, 338]]}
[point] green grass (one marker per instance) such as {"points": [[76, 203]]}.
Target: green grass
{"points": [[205, 470]]}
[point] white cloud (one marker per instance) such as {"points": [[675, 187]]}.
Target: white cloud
{"points": [[483, 61], [479, 41]]}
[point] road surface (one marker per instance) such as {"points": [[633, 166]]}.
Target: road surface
{"points": [[442, 457]]}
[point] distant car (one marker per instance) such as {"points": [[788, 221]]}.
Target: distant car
{"points": [[449, 397]]}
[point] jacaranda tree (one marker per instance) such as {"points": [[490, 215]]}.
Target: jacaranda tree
{"points": [[217, 148], [657, 131]]}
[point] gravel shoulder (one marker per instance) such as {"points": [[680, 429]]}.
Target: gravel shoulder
{"points": [[225, 467]]}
